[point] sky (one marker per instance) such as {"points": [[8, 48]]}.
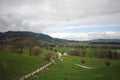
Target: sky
{"points": [[66, 19]]}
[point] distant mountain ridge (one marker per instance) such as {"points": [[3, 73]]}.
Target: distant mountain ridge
{"points": [[108, 41], [11, 36], [24, 34], [44, 37]]}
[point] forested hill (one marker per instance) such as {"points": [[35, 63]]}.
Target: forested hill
{"points": [[24, 34], [108, 41], [13, 36], [40, 36]]}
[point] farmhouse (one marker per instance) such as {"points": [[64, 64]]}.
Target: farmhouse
{"points": [[65, 54], [59, 54]]}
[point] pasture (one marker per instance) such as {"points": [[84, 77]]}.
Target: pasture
{"points": [[13, 65], [67, 70]]}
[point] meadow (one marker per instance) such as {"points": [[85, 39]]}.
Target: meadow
{"points": [[67, 70], [13, 65]]}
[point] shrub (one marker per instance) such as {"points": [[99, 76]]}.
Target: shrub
{"points": [[48, 56], [36, 51], [55, 50], [102, 53], [82, 61], [116, 56], [110, 54], [83, 52], [74, 53], [51, 48], [107, 62]]}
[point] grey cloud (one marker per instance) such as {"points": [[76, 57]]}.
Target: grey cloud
{"points": [[66, 9], [10, 22], [57, 15]]}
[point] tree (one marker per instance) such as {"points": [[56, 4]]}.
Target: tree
{"points": [[115, 56], [30, 43], [110, 54], [107, 62], [36, 51], [48, 56], [74, 53], [83, 52], [82, 61], [14, 45]]}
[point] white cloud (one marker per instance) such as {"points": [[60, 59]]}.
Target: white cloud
{"points": [[87, 36], [58, 16]]}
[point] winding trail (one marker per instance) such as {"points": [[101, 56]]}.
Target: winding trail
{"points": [[36, 71], [83, 66]]}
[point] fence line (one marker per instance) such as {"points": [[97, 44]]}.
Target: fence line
{"points": [[36, 71]]}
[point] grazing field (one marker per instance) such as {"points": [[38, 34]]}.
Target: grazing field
{"points": [[13, 65], [67, 70], [62, 49], [90, 52]]}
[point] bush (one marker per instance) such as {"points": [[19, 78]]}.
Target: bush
{"points": [[82, 61], [55, 50], [36, 51], [115, 55], [107, 62], [110, 54], [48, 56], [74, 53], [102, 53]]}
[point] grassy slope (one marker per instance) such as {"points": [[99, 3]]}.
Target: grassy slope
{"points": [[13, 66], [67, 70], [64, 49], [93, 52]]}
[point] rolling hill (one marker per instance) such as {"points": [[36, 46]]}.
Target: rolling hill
{"points": [[46, 38], [24, 34], [16, 40]]}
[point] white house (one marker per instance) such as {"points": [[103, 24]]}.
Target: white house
{"points": [[65, 54], [59, 54]]}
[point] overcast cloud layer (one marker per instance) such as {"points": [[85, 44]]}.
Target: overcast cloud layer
{"points": [[67, 19]]}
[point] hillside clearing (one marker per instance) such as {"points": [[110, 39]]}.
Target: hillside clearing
{"points": [[14, 66], [67, 70]]}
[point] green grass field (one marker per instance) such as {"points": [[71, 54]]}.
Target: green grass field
{"points": [[87, 52], [64, 49], [13, 65], [67, 70]]}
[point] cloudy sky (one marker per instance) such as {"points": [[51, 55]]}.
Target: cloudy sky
{"points": [[67, 19]]}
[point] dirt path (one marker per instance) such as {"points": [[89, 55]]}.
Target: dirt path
{"points": [[83, 66], [36, 71]]}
